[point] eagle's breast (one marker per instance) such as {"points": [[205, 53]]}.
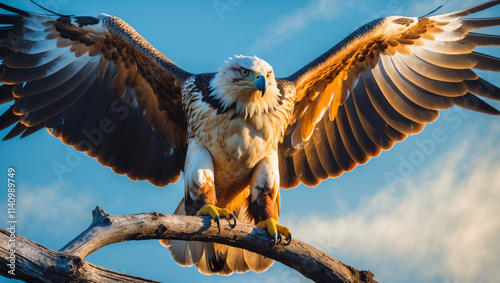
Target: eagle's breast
{"points": [[235, 142]]}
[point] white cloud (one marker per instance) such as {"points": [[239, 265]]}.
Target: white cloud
{"points": [[54, 212], [441, 225], [287, 26]]}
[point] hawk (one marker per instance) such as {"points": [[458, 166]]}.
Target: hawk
{"points": [[240, 134]]}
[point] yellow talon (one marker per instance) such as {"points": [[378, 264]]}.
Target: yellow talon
{"points": [[276, 230], [215, 212]]}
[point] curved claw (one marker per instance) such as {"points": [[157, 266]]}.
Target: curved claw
{"points": [[289, 241], [217, 219], [231, 216], [276, 230], [216, 213], [275, 239], [280, 239]]}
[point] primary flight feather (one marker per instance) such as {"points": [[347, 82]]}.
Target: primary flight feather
{"points": [[239, 134]]}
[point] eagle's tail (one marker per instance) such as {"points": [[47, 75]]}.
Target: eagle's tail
{"points": [[213, 258]]}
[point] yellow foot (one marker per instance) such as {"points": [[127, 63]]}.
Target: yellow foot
{"points": [[214, 212], [276, 231]]}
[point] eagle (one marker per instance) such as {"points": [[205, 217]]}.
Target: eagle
{"points": [[240, 134]]}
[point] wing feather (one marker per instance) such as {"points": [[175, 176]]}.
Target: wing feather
{"points": [[389, 114], [340, 153], [414, 93], [365, 142], [6, 94], [8, 119], [382, 83], [28, 61], [98, 85], [445, 60], [399, 101], [354, 150], [302, 166], [483, 88], [442, 88], [369, 117], [436, 73], [58, 66], [122, 154], [25, 86], [474, 24], [486, 62], [36, 101], [325, 154], [483, 39], [472, 102], [314, 162]]}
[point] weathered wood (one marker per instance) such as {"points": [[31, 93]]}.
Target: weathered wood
{"points": [[34, 261]]}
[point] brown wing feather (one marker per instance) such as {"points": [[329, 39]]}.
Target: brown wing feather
{"points": [[384, 82], [97, 85]]}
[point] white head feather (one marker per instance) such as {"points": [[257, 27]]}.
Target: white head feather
{"points": [[247, 99]]}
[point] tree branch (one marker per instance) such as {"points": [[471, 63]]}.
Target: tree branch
{"points": [[36, 262]]}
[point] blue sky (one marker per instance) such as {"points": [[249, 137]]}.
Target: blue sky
{"points": [[437, 221]]}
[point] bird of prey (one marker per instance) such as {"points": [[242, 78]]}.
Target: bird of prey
{"points": [[240, 134]]}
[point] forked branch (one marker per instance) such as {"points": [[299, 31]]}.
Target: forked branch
{"points": [[34, 262]]}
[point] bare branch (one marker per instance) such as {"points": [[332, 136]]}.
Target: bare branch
{"points": [[35, 261]]}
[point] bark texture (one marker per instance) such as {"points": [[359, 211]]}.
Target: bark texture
{"points": [[34, 262]]}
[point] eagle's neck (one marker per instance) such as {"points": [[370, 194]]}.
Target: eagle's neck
{"points": [[245, 101]]}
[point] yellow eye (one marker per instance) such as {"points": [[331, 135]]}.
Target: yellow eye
{"points": [[244, 72], [268, 75]]}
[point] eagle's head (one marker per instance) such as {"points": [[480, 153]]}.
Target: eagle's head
{"points": [[248, 84]]}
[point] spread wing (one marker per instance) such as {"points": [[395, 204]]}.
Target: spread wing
{"points": [[383, 82], [96, 84]]}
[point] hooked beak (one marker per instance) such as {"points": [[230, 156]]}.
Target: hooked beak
{"points": [[261, 84]]}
